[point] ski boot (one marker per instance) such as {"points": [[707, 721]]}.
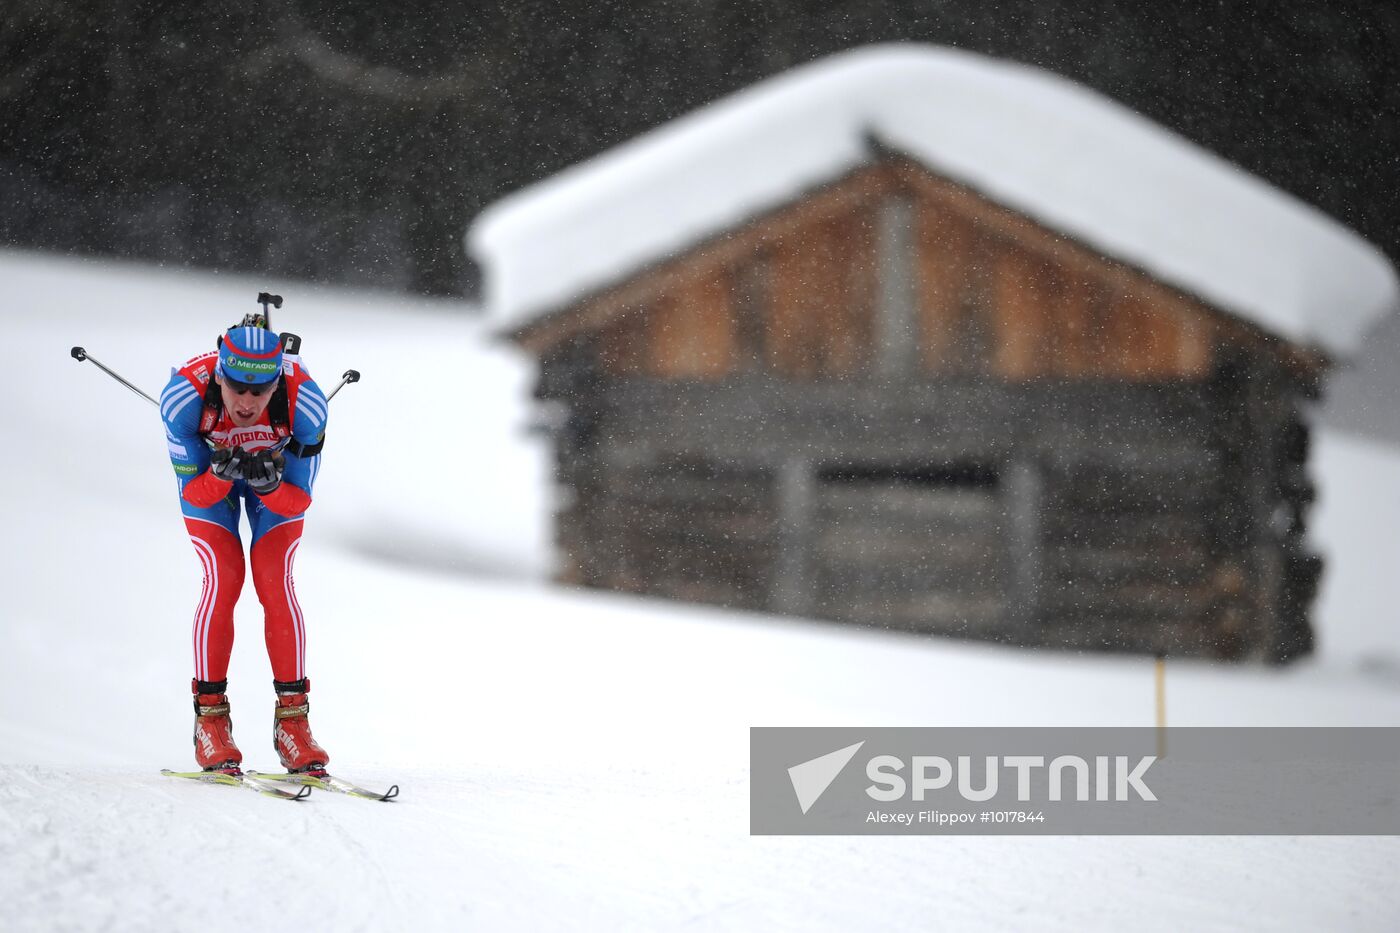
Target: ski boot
{"points": [[214, 749], [291, 731]]}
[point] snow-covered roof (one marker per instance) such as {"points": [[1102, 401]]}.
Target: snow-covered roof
{"points": [[1060, 153]]}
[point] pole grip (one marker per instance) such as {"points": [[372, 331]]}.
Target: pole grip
{"points": [[351, 375], [81, 355]]}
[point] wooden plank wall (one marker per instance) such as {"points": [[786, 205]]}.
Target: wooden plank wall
{"points": [[921, 556], [1131, 561], [1042, 315], [686, 528], [821, 298], [678, 468], [1153, 511], [998, 295]]}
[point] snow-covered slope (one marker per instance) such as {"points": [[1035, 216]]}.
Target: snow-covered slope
{"points": [[567, 759]]}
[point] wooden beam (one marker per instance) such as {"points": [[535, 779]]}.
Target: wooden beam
{"points": [[792, 583], [1022, 485], [896, 302]]}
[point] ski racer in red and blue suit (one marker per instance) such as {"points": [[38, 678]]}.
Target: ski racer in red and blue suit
{"points": [[245, 425]]}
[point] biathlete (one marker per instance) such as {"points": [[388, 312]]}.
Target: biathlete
{"points": [[245, 425]]}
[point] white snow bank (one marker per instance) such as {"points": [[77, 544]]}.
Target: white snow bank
{"points": [[1354, 528], [1072, 159], [568, 760]]}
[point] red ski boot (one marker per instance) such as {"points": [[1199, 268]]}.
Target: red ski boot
{"points": [[213, 729], [291, 732]]}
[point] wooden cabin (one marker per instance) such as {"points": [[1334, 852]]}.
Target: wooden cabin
{"points": [[895, 402]]}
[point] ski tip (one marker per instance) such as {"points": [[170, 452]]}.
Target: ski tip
{"points": [[391, 793], [303, 792]]}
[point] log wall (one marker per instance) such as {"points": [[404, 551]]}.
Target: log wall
{"points": [[1098, 516], [1066, 453]]}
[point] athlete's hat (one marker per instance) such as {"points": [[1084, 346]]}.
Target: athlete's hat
{"points": [[250, 355]]}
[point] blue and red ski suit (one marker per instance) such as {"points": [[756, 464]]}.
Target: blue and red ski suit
{"points": [[212, 506]]}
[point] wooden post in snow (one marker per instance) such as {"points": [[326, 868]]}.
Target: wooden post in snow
{"points": [[792, 583], [1161, 680]]}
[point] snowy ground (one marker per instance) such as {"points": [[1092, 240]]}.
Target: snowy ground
{"points": [[567, 759]]}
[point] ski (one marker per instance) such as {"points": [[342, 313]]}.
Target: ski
{"points": [[322, 780], [236, 778]]}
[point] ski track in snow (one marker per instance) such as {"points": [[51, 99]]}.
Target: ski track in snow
{"points": [[516, 851], [566, 759]]}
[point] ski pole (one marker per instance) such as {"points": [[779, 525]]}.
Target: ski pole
{"points": [[80, 355], [351, 375]]}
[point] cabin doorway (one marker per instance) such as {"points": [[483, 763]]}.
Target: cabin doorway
{"points": [[921, 547]]}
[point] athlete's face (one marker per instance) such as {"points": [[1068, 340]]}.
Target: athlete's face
{"points": [[245, 404]]}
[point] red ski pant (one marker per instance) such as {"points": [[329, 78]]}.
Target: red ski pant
{"points": [[271, 558]]}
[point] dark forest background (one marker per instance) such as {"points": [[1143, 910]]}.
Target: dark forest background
{"points": [[353, 142]]}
